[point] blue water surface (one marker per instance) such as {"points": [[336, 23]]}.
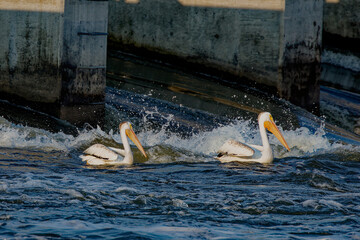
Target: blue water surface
{"points": [[180, 191]]}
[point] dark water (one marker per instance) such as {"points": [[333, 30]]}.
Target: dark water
{"points": [[180, 192]]}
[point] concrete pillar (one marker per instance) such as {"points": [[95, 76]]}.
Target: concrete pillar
{"points": [[53, 56], [30, 49], [83, 63], [341, 38], [300, 52]]}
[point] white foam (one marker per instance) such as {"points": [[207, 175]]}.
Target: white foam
{"points": [[126, 189], [203, 143], [3, 187], [331, 204], [179, 203], [339, 59], [302, 141], [315, 204], [166, 146], [19, 136], [72, 193], [310, 203]]}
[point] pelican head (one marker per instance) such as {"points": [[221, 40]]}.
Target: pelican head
{"points": [[265, 119], [127, 128]]}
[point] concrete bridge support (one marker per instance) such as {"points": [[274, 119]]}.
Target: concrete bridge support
{"points": [[53, 56], [273, 43], [300, 53]]}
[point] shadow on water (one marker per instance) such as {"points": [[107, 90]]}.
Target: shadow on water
{"points": [[26, 116]]}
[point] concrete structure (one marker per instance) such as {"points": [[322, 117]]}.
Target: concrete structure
{"points": [[53, 52], [341, 44], [342, 19], [273, 43], [53, 56]]}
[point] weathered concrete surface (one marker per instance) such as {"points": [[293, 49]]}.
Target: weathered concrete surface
{"points": [[342, 18], [300, 61], [53, 55], [29, 51], [222, 38], [340, 78], [251, 39], [341, 45], [84, 52]]}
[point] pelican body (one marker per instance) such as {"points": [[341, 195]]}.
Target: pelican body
{"points": [[99, 154], [234, 151]]}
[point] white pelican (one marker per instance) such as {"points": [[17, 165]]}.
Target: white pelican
{"points": [[99, 154], [233, 151]]}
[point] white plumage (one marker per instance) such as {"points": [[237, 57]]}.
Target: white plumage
{"points": [[236, 151], [99, 154], [235, 148]]}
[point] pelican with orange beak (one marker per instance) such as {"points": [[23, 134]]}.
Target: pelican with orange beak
{"points": [[234, 151], [99, 154]]}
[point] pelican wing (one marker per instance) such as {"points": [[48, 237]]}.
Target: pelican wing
{"points": [[118, 150], [235, 148], [101, 151]]}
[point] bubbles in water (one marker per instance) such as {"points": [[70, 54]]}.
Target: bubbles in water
{"points": [[179, 203], [317, 204], [126, 190]]}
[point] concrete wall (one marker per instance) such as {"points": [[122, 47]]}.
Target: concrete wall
{"points": [[301, 51], [239, 41], [342, 17], [53, 56], [30, 51], [249, 39], [341, 45], [84, 51]]}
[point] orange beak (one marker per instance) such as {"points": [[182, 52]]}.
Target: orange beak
{"points": [[271, 126], [130, 133]]}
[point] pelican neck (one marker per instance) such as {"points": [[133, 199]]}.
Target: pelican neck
{"points": [[125, 141], [263, 133]]}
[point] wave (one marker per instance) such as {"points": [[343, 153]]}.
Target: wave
{"points": [[20, 136], [343, 60], [302, 141], [164, 146]]}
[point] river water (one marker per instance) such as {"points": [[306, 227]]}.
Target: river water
{"points": [[181, 191]]}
